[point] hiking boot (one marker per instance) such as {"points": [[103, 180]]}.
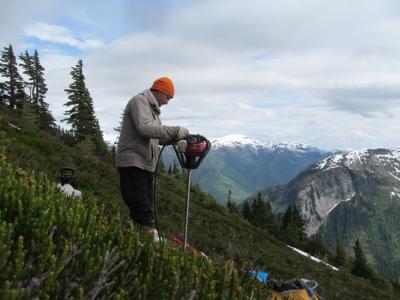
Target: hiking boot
{"points": [[152, 232]]}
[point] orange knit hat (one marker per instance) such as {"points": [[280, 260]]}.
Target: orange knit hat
{"points": [[165, 85]]}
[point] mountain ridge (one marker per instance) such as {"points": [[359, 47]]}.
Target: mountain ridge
{"points": [[239, 140], [243, 165], [349, 195]]}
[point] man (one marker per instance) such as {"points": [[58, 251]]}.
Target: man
{"points": [[138, 149]]}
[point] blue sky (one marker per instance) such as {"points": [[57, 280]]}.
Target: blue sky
{"points": [[324, 73]]}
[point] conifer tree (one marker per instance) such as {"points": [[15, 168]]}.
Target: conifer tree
{"points": [[118, 129], [360, 264], [286, 222], [37, 87], [259, 212], [45, 117], [299, 226], [246, 211], [340, 255], [28, 69], [12, 89], [29, 119], [293, 227], [81, 116], [316, 247], [231, 205], [270, 220]]}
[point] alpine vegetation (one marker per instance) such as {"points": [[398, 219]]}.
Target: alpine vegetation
{"points": [[53, 246]]}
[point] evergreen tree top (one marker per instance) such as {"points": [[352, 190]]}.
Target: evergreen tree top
{"points": [[12, 89], [81, 114]]}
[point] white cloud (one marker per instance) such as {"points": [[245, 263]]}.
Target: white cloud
{"points": [[60, 35], [320, 72], [57, 75]]}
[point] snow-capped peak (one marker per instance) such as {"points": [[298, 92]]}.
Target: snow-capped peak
{"points": [[236, 140], [358, 157], [242, 141]]}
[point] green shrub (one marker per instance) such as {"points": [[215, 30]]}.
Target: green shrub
{"points": [[53, 246]]}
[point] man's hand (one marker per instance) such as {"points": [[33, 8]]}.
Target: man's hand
{"points": [[183, 133]]}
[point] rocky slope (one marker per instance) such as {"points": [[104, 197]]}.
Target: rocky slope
{"points": [[351, 195]]}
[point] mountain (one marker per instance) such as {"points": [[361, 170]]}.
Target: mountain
{"points": [[58, 247], [245, 165], [351, 195]]}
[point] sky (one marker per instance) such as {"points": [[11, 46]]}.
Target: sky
{"points": [[319, 72]]}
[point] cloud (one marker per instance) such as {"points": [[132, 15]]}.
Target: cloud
{"points": [[366, 100], [320, 72], [60, 35], [222, 90], [57, 74]]}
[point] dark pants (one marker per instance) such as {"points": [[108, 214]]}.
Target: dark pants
{"points": [[137, 192]]}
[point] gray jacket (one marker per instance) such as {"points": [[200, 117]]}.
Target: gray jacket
{"points": [[142, 132]]}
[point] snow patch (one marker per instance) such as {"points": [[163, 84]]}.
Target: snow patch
{"points": [[330, 162], [348, 199], [394, 176], [397, 171], [394, 153], [355, 157], [312, 257]]}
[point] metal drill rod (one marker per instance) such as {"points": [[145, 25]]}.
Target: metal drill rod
{"points": [[187, 208]]}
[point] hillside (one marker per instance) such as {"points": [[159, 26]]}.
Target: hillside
{"points": [[245, 165], [220, 235], [53, 247], [352, 195]]}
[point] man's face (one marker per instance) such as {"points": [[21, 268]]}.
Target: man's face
{"points": [[162, 99]]}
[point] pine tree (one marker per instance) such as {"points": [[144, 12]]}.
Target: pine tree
{"points": [[81, 116], [37, 87], [27, 66], [12, 89], [270, 220], [45, 117], [118, 129], [246, 211], [259, 212], [340, 255], [29, 119], [293, 227], [87, 145], [231, 205], [299, 227], [315, 247], [360, 264], [286, 223]]}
